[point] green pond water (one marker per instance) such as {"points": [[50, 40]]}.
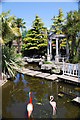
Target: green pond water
{"points": [[15, 97]]}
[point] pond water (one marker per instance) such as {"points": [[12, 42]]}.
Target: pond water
{"points": [[15, 98]]}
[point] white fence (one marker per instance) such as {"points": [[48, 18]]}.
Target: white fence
{"points": [[71, 69]]}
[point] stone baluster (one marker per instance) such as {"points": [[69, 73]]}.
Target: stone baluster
{"points": [[70, 69], [73, 69], [63, 66], [76, 69]]}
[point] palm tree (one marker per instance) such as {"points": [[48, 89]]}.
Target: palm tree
{"points": [[9, 28], [20, 24], [9, 31]]}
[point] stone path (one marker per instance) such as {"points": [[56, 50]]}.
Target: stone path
{"points": [[52, 77], [33, 73], [69, 78], [42, 75], [48, 76]]}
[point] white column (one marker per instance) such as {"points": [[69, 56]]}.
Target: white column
{"points": [[47, 46], [50, 50], [57, 55], [56, 46]]}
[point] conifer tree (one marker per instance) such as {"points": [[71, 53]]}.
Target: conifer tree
{"points": [[57, 27], [35, 42], [58, 22]]}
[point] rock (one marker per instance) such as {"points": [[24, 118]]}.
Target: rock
{"points": [[40, 63], [77, 88], [46, 66], [25, 59], [60, 95], [39, 103]]}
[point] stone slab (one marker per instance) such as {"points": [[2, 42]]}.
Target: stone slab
{"points": [[42, 75], [27, 71], [52, 77], [33, 73], [69, 78]]}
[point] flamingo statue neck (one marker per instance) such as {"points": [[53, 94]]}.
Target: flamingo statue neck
{"points": [[30, 97], [53, 104], [29, 106]]}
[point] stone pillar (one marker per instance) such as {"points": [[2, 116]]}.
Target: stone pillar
{"points": [[57, 55], [48, 53], [56, 46], [50, 50], [59, 47]]}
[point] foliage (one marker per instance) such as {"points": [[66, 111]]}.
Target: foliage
{"points": [[9, 28], [20, 24], [35, 41], [46, 62], [58, 22], [71, 29], [24, 34], [9, 32], [8, 60], [57, 27]]}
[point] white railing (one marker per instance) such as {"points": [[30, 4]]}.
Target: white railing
{"points": [[71, 69]]}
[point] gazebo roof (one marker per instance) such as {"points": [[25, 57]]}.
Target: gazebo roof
{"points": [[54, 36]]}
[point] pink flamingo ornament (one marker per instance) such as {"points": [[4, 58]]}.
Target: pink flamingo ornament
{"points": [[53, 104], [29, 106]]}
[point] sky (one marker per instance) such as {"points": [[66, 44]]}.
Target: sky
{"points": [[45, 10]]}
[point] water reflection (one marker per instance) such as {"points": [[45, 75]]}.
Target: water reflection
{"points": [[18, 79], [23, 80], [15, 98]]}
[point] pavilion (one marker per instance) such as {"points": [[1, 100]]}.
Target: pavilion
{"points": [[49, 46]]}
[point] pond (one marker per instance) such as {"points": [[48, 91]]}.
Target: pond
{"points": [[15, 98]]}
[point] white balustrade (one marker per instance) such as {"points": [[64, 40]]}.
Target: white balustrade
{"points": [[71, 69]]}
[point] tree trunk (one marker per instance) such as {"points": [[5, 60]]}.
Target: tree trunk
{"points": [[79, 46], [18, 44], [72, 46], [67, 49]]}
